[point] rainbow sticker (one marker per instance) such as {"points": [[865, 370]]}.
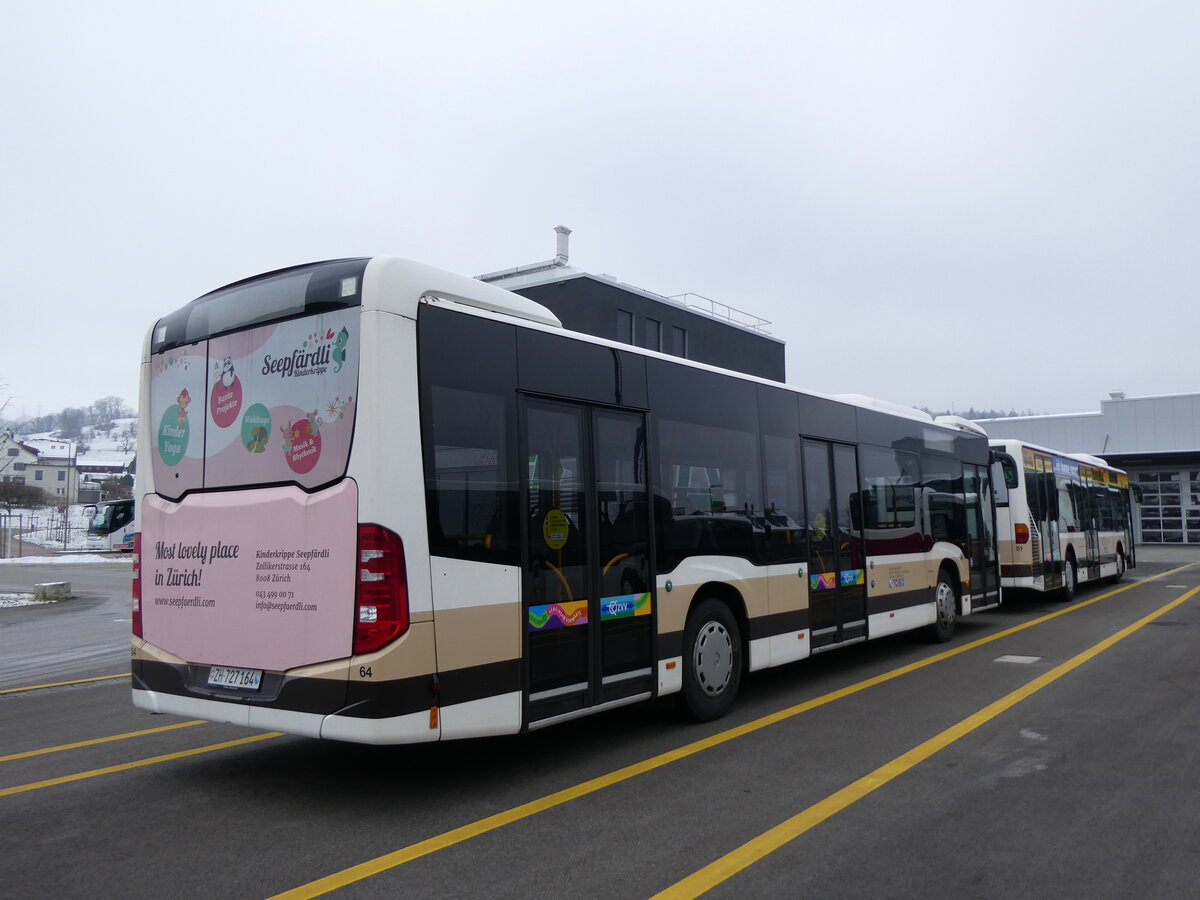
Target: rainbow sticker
{"points": [[558, 615], [824, 581], [625, 606]]}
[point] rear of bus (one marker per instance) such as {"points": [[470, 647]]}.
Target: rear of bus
{"points": [[270, 585]]}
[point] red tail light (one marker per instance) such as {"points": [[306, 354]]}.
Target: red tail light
{"points": [[137, 584], [381, 594], [1022, 534]]}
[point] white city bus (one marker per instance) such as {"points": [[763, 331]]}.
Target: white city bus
{"points": [[1063, 519], [389, 504], [111, 526]]}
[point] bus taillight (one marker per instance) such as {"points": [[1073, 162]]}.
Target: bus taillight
{"points": [[381, 594], [1022, 533], [137, 585]]}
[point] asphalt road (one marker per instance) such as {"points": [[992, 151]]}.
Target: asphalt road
{"points": [[86, 635], [1049, 750]]}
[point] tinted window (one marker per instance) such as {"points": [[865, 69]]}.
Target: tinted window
{"points": [[468, 414], [653, 334], [679, 341], [943, 500], [890, 481], [707, 464], [709, 476], [624, 326], [300, 291], [558, 366]]}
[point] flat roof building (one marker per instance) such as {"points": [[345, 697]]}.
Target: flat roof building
{"points": [[689, 325]]}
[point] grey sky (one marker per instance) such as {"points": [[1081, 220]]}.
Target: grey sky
{"points": [[934, 203]]}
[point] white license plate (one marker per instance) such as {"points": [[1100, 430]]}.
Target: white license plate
{"points": [[226, 676]]}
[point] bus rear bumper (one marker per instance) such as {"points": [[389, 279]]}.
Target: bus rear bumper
{"points": [[479, 718], [300, 723]]}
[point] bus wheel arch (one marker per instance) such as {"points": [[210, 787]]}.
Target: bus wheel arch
{"points": [[714, 652], [946, 594]]}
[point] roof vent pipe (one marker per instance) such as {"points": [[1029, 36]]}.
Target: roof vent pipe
{"points": [[560, 256]]}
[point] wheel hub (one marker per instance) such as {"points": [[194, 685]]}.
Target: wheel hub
{"points": [[713, 658]]}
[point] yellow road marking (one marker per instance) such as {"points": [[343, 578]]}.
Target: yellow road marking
{"points": [[102, 740], [34, 687], [137, 764], [768, 842], [457, 835]]}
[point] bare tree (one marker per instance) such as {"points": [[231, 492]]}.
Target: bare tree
{"points": [[72, 420], [14, 495], [108, 409]]}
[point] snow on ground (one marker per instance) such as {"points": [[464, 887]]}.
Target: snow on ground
{"points": [[67, 558], [8, 601]]}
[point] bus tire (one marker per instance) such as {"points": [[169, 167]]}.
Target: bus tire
{"points": [[1069, 579], [945, 609], [712, 660]]}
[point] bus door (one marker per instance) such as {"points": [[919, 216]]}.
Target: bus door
{"points": [[1042, 497], [836, 580], [1089, 516], [588, 590], [981, 531]]}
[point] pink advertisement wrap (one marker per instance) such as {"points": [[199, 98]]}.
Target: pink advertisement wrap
{"points": [[177, 416], [268, 405], [260, 579], [281, 402]]}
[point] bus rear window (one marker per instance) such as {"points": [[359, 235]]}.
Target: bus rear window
{"points": [[287, 294]]}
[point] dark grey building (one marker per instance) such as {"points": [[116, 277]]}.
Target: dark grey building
{"points": [[688, 326]]}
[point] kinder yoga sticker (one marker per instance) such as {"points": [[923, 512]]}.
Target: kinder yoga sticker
{"points": [[173, 430]]}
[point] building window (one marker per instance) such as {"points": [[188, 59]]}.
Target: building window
{"points": [[1162, 507], [18, 467], [624, 326], [653, 334], [37, 476], [62, 476], [679, 341], [13, 451]]}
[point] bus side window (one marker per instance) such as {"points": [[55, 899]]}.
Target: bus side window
{"points": [[1004, 477]]}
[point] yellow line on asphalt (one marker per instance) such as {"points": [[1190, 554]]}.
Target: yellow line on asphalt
{"points": [[102, 740], [769, 841], [455, 836], [34, 687], [137, 764]]}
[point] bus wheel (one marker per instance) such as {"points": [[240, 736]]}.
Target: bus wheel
{"points": [[712, 660], [1068, 587], [946, 609]]}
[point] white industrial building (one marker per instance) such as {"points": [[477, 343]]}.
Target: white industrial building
{"points": [[1155, 439]]}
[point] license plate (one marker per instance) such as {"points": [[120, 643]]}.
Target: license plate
{"points": [[226, 676]]}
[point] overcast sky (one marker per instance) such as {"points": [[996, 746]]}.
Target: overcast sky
{"points": [[938, 204]]}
